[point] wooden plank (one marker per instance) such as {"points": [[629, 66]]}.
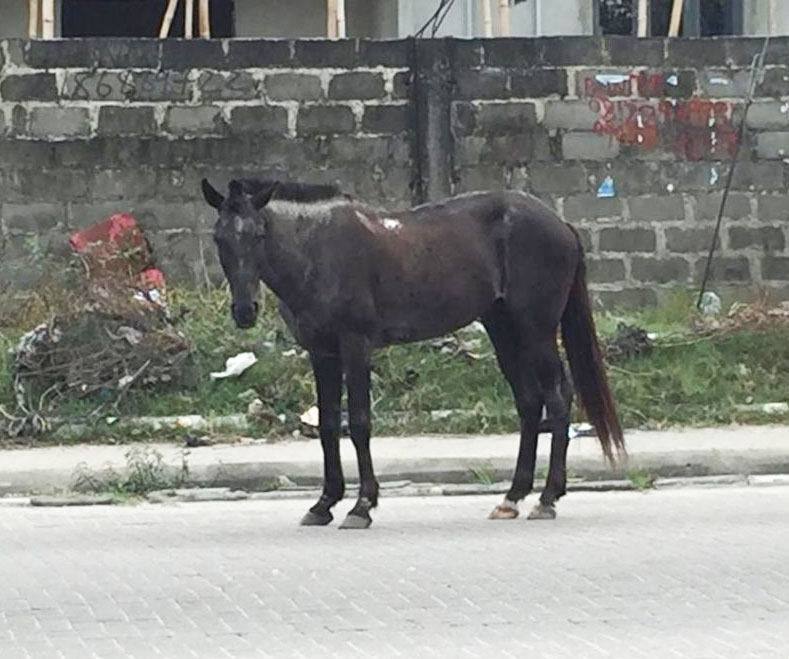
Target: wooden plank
{"points": [[32, 19], [487, 19], [504, 18], [48, 19], [772, 17], [167, 20], [189, 18], [204, 19], [341, 19], [643, 18], [331, 19], [676, 18]]}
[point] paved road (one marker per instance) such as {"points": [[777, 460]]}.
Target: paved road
{"points": [[692, 573]]}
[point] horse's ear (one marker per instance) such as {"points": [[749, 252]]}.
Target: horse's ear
{"points": [[264, 196], [211, 195]]}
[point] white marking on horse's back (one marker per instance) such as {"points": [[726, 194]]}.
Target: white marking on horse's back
{"points": [[392, 224], [320, 210]]}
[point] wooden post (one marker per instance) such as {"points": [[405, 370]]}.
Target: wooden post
{"points": [[643, 18], [48, 19], [204, 19], [331, 19], [772, 15], [167, 20], [676, 18], [504, 18], [341, 19], [487, 19], [32, 19], [189, 18]]}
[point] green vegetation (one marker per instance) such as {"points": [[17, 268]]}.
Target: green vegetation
{"points": [[145, 472], [451, 386]]}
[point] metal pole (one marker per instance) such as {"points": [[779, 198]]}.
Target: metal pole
{"points": [[676, 18]]}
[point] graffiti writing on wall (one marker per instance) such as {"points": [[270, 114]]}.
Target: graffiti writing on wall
{"points": [[691, 128]]}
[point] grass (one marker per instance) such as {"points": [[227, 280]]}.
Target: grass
{"points": [[145, 472], [686, 380]]}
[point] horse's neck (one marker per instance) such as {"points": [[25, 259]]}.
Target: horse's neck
{"points": [[287, 263]]}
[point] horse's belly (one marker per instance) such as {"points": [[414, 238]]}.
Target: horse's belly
{"points": [[418, 313]]}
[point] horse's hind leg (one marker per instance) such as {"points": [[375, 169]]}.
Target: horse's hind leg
{"points": [[558, 398], [513, 361]]}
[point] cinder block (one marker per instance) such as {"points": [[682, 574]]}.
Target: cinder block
{"points": [[660, 271], [588, 146], [627, 240], [361, 85], [656, 208], [690, 240], [293, 87], [262, 119], [57, 122], [119, 120], [197, 120], [30, 87], [769, 239], [569, 115], [325, 120]]}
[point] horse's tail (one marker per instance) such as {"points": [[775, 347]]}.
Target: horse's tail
{"points": [[586, 365]]}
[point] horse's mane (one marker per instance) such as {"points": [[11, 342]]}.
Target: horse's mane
{"points": [[292, 191]]}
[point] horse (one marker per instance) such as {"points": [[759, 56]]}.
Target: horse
{"points": [[351, 278]]}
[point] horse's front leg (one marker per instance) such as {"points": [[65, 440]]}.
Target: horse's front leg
{"points": [[356, 352], [328, 382]]}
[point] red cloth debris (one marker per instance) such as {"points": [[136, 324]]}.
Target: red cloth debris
{"points": [[115, 250]]}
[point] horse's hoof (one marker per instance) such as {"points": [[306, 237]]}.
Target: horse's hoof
{"points": [[541, 511], [503, 512], [317, 519], [356, 522]]}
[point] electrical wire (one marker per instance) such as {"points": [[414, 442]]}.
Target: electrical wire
{"points": [[757, 73], [436, 19]]}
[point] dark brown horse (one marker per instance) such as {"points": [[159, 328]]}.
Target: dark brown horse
{"points": [[352, 278]]}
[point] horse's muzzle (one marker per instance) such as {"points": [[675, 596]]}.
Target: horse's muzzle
{"points": [[244, 315]]}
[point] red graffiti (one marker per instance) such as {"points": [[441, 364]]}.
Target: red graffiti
{"points": [[692, 129], [610, 84]]}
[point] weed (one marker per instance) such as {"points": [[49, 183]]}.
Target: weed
{"points": [[685, 380], [145, 472], [481, 475], [641, 480]]}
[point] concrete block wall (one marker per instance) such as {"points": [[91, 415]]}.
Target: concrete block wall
{"points": [[660, 119], [92, 127], [89, 127]]}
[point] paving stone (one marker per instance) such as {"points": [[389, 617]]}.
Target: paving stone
{"points": [[685, 572]]}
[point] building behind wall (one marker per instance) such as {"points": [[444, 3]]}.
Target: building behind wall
{"points": [[390, 19]]}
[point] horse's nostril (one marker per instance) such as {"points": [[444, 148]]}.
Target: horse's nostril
{"points": [[256, 306]]}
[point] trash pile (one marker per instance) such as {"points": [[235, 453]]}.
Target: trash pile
{"points": [[628, 342], [758, 314], [117, 337]]}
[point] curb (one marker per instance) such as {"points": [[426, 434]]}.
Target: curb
{"points": [[391, 489]]}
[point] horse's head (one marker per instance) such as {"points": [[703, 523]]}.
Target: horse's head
{"points": [[239, 233]]}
